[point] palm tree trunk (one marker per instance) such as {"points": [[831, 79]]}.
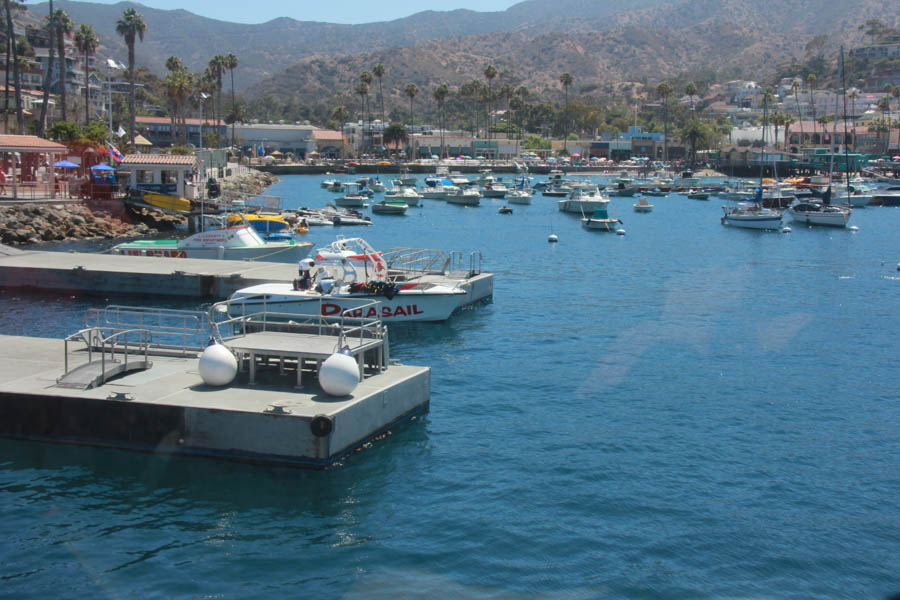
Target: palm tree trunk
{"points": [[87, 90], [9, 36], [233, 108], [131, 110], [17, 79], [50, 39], [62, 72]]}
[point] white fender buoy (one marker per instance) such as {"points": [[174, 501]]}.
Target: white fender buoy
{"points": [[853, 228], [552, 238], [339, 374], [218, 366], [620, 232], [785, 230]]}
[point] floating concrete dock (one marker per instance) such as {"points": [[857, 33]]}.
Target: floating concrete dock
{"points": [[168, 409], [77, 272]]}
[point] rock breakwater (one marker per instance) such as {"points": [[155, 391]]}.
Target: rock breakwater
{"points": [[32, 224], [251, 183]]}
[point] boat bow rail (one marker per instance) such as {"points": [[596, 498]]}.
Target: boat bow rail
{"points": [[406, 264]]}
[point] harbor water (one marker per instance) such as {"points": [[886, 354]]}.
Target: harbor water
{"points": [[685, 411]]}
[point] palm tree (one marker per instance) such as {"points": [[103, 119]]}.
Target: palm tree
{"points": [[86, 41], [396, 134], [895, 92], [231, 63], [516, 104], [131, 26], [691, 89], [362, 90], [664, 90], [439, 94], [17, 76], [340, 115], [566, 80], [410, 90], [46, 99], [178, 87], [63, 26], [379, 71], [787, 121], [811, 80], [217, 69], [795, 85], [853, 93], [367, 79], [884, 105], [173, 65], [489, 73]]}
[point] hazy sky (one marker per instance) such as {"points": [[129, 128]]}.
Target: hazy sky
{"points": [[338, 11]]}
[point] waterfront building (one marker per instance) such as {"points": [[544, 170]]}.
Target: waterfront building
{"points": [[159, 130]]}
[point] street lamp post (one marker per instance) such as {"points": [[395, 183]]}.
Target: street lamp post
{"points": [[111, 65]]}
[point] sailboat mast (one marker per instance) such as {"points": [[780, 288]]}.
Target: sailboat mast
{"points": [[846, 148]]}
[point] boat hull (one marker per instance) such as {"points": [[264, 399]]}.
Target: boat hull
{"points": [[753, 221], [402, 307], [167, 202], [825, 219], [280, 253]]}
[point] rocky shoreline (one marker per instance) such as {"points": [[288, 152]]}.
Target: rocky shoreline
{"points": [[35, 223]]}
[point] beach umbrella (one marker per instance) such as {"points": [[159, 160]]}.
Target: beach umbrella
{"points": [[102, 167], [576, 155], [65, 164]]}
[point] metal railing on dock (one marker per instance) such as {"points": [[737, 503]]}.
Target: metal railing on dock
{"points": [[109, 342], [177, 332], [410, 263]]}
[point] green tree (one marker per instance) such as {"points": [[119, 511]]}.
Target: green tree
{"points": [[410, 90], [63, 26], [231, 63], [216, 68], [566, 80], [131, 27], [664, 90], [811, 80], [440, 94], [367, 79], [86, 41], [396, 134], [51, 38], [795, 85], [379, 71], [691, 90]]}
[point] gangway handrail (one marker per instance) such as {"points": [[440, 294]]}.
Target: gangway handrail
{"points": [[190, 327], [94, 337]]}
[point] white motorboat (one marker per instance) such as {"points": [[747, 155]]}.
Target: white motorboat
{"points": [[642, 205], [329, 183], [409, 195], [240, 242], [518, 196], [390, 207], [438, 192], [467, 196], [817, 213], [346, 216], [353, 196], [458, 179], [583, 200], [494, 190], [601, 221], [751, 215], [350, 269]]}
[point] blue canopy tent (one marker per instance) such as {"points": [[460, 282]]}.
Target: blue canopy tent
{"points": [[65, 164], [102, 167]]}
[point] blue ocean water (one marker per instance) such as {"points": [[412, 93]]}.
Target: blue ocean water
{"points": [[686, 411]]}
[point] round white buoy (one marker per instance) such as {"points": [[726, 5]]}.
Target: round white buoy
{"points": [[218, 366], [853, 228], [620, 232], [339, 374], [785, 230], [552, 238]]}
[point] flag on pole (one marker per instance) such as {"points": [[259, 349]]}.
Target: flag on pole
{"points": [[114, 152], [120, 132]]}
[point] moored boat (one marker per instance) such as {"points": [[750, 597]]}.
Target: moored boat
{"points": [[239, 242]]}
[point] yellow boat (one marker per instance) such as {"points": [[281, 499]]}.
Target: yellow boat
{"points": [[167, 202], [270, 227]]}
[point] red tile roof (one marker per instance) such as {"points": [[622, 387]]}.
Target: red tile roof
{"points": [[327, 135], [29, 143], [159, 159]]}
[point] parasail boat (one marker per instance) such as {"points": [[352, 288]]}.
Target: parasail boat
{"points": [[411, 284]]}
